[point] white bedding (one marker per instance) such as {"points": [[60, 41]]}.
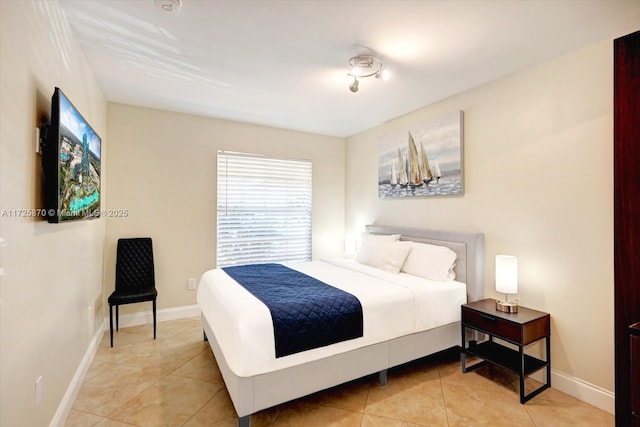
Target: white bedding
{"points": [[393, 305]]}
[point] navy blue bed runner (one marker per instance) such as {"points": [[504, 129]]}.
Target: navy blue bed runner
{"points": [[306, 312]]}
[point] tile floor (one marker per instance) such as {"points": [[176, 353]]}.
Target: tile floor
{"points": [[174, 381]]}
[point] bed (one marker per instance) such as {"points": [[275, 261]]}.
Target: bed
{"points": [[256, 379]]}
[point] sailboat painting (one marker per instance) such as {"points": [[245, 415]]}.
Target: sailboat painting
{"points": [[424, 160]]}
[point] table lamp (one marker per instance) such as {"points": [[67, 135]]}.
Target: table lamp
{"points": [[507, 281]]}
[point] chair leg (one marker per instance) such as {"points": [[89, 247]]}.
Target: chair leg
{"points": [[117, 317], [154, 319], [111, 323]]}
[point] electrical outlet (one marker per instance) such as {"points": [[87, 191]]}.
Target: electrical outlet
{"points": [[191, 284]]}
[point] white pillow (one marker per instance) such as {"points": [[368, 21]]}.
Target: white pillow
{"points": [[368, 237], [385, 255], [431, 262]]}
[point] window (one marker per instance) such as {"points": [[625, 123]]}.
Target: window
{"points": [[264, 209]]}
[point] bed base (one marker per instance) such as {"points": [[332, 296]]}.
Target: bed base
{"points": [[245, 421], [252, 394]]}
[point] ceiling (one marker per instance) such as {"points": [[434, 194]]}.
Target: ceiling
{"points": [[284, 63]]}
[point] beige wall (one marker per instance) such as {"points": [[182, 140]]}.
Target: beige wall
{"points": [[163, 172], [539, 184], [51, 302]]}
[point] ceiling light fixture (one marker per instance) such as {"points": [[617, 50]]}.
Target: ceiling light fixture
{"points": [[366, 66], [169, 6]]}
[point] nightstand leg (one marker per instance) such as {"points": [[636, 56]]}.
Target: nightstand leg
{"points": [[463, 354], [521, 351], [548, 342]]}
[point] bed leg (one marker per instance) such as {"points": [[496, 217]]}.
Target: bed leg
{"points": [[204, 335], [382, 377], [244, 421]]}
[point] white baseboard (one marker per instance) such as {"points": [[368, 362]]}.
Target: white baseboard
{"points": [[146, 317], [70, 395], [581, 390], [142, 318]]}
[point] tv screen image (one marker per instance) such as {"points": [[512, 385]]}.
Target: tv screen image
{"points": [[72, 164]]}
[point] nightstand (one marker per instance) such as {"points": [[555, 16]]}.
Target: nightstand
{"points": [[520, 329]]}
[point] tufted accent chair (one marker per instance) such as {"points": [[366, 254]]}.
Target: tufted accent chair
{"points": [[135, 278]]}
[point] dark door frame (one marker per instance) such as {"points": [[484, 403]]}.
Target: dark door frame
{"points": [[626, 214]]}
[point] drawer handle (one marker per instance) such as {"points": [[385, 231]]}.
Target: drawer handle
{"points": [[486, 316]]}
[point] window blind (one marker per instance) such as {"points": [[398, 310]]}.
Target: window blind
{"points": [[264, 209]]}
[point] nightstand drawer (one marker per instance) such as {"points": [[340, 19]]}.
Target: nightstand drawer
{"points": [[492, 325]]}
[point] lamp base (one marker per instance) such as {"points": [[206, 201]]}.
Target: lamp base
{"points": [[507, 307]]}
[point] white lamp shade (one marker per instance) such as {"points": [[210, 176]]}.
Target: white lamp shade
{"points": [[506, 274]]}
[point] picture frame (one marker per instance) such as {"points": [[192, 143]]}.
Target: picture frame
{"points": [[423, 160]]}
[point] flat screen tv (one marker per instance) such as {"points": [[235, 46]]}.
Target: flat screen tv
{"points": [[71, 164]]}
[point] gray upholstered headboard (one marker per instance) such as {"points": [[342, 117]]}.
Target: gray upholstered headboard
{"points": [[469, 247]]}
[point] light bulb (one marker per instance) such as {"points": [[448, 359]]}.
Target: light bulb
{"points": [[353, 87]]}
